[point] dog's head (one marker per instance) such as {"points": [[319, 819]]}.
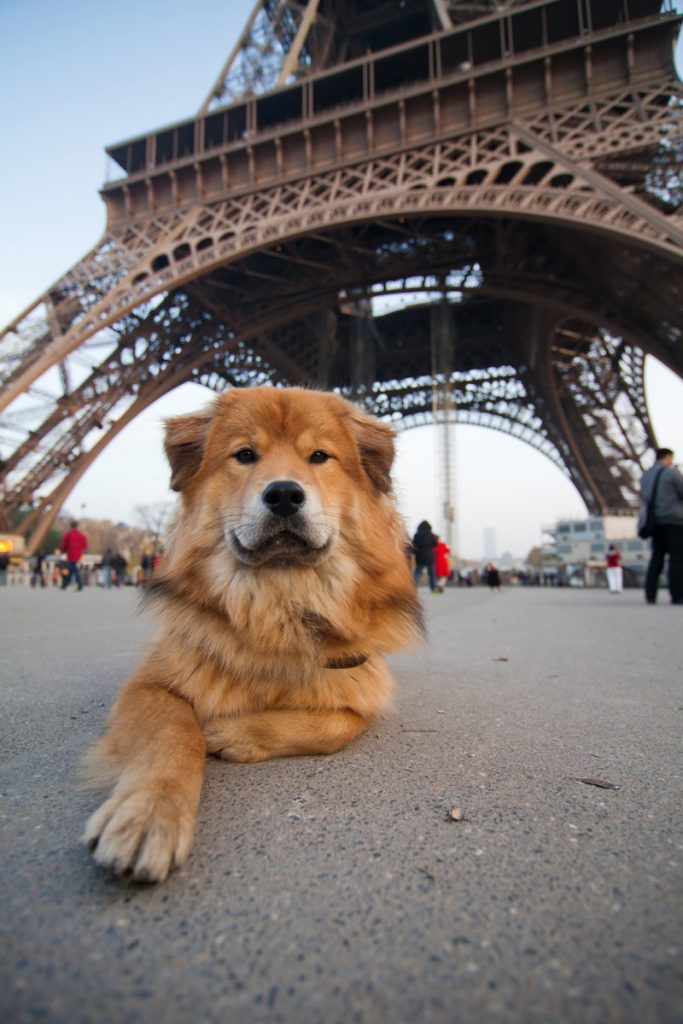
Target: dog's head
{"points": [[279, 472]]}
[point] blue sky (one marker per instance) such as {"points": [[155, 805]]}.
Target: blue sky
{"points": [[77, 76]]}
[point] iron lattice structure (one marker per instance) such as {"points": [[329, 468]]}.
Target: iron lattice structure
{"points": [[510, 170]]}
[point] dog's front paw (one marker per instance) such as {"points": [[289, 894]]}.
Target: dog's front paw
{"points": [[141, 834]]}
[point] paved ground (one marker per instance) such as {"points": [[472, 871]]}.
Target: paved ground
{"points": [[338, 889]]}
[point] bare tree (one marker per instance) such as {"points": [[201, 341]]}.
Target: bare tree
{"points": [[154, 518]]}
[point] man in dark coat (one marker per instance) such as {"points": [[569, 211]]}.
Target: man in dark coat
{"points": [[424, 549], [667, 536], [120, 564]]}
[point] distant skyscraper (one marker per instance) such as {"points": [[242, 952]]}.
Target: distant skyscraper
{"points": [[489, 542]]}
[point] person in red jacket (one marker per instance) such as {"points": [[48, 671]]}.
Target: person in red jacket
{"points": [[442, 564], [73, 544], [615, 576]]}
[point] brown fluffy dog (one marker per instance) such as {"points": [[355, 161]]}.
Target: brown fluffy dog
{"points": [[284, 581]]}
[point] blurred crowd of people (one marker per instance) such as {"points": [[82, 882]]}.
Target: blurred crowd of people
{"points": [[432, 555], [71, 563]]}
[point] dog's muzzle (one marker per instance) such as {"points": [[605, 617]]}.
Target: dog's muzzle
{"points": [[283, 535]]}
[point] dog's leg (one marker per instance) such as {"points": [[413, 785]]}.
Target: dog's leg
{"points": [[153, 754], [261, 735]]}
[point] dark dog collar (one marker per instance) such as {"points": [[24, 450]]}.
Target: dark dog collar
{"points": [[346, 662]]}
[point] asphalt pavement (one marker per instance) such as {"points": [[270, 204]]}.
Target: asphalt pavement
{"points": [[341, 889]]}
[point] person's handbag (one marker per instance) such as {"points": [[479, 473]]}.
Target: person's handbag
{"points": [[646, 520]]}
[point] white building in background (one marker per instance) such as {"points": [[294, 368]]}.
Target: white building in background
{"points": [[489, 544], [578, 547]]}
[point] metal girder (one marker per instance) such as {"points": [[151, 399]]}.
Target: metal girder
{"points": [[490, 173], [603, 186], [267, 51]]}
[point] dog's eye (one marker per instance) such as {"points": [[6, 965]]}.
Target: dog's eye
{"points": [[319, 456], [246, 455]]}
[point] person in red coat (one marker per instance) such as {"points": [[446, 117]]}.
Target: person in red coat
{"points": [[442, 564], [72, 545], [615, 577]]}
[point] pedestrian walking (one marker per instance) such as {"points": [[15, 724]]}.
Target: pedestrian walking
{"points": [[4, 567], [442, 564], [38, 574], [73, 544], [424, 549], [120, 566], [107, 568], [492, 576], [615, 574], [146, 564], [662, 486]]}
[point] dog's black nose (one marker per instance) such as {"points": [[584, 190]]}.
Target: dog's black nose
{"points": [[283, 497]]}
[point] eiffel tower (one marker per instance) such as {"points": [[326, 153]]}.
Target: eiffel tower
{"points": [[426, 204]]}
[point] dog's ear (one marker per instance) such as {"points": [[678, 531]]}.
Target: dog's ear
{"points": [[375, 442], [184, 443]]}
